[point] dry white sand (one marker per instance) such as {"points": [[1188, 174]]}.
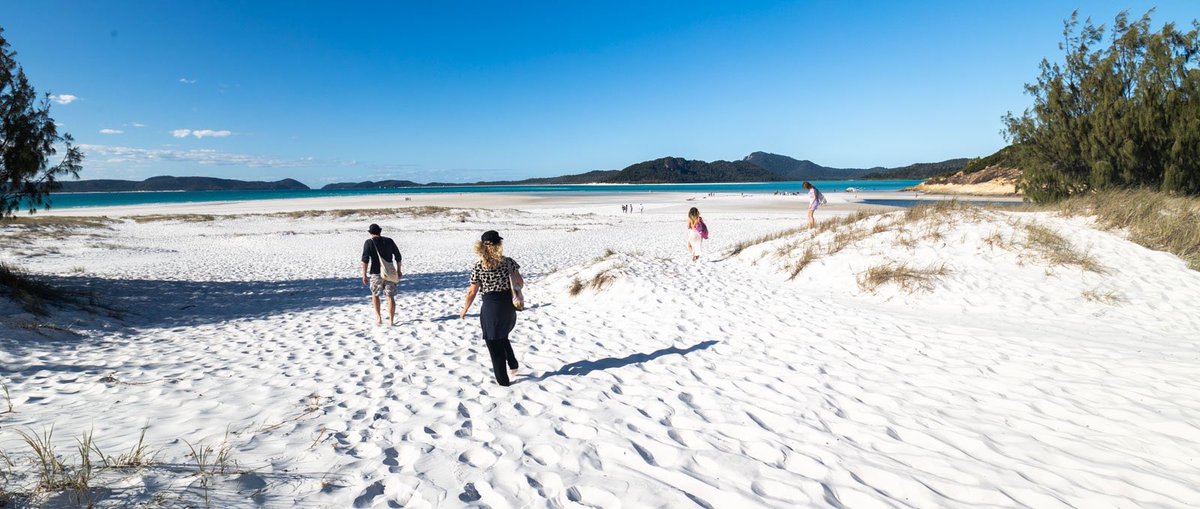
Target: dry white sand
{"points": [[1011, 382]]}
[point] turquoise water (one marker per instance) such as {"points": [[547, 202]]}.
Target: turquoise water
{"points": [[75, 200]]}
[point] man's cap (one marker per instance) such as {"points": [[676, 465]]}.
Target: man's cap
{"points": [[374, 229], [491, 237]]}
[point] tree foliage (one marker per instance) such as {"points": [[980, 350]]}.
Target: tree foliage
{"points": [[28, 141], [1122, 115]]}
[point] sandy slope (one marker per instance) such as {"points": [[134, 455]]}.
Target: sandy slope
{"points": [[677, 384]]}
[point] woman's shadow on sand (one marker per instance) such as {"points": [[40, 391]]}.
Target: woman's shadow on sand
{"points": [[584, 367]]}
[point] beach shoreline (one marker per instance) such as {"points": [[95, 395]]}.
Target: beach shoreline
{"points": [[602, 203]]}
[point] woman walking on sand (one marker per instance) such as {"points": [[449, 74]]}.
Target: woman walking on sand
{"points": [[497, 276], [697, 232], [815, 199]]}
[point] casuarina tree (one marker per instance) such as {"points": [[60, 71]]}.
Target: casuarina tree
{"points": [[1122, 114], [29, 142]]}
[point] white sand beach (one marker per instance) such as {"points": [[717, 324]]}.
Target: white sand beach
{"points": [[1004, 376]]}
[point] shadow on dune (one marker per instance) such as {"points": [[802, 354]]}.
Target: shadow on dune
{"points": [[162, 303], [581, 368]]}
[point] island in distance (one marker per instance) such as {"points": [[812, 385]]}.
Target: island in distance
{"points": [[756, 167], [167, 183]]}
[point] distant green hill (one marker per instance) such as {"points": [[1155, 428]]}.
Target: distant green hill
{"points": [[382, 184], [684, 171], [788, 168], [590, 177], [168, 183], [920, 171], [1002, 157]]}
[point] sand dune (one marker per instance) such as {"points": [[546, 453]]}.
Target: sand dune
{"points": [[1013, 379]]}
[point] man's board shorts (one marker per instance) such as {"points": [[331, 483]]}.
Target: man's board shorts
{"points": [[381, 288]]}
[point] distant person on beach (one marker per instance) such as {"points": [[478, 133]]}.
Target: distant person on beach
{"points": [[498, 277], [815, 199], [375, 248], [697, 232]]}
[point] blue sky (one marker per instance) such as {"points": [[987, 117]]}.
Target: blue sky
{"points": [[456, 91]]}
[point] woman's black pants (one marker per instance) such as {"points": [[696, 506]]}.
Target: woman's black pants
{"points": [[497, 318]]}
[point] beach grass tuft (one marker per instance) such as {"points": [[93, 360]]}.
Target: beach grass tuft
{"points": [[138, 456], [1102, 296], [800, 263], [1057, 250], [6, 465], [50, 469], [7, 399], [211, 460], [35, 223], [604, 278], [33, 294], [821, 227], [996, 240], [599, 281], [53, 475], [906, 277], [178, 218], [741, 246]]}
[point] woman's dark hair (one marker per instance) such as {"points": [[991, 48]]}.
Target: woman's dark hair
{"points": [[807, 185]]}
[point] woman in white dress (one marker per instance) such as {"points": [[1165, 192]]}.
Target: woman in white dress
{"points": [[697, 231]]}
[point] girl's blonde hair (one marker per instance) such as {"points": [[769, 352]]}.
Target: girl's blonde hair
{"points": [[490, 255], [693, 217]]}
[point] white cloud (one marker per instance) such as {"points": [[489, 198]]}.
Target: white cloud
{"points": [[111, 131], [131, 156], [138, 124], [209, 133], [64, 98], [140, 161], [201, 133], [186, 81]]}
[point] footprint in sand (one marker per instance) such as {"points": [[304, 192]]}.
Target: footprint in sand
{"points": [[547, 484], [656, 454], [478, 457], [779, 491], [572, 430], [543, 454], [366, 450], [589, 496], [367, 497]]}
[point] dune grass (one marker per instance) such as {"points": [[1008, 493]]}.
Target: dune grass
{"points": [[33, 295], [181, 218], [906, 277], [417, 211], [1102, 296], [76, 474], [7, 399], [821, 227], [1057, 250], [1152, 219], [602, 279], [56, 222], [599, 281]]}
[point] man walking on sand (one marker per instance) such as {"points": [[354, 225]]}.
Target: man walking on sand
{"points": [[374, 249]]}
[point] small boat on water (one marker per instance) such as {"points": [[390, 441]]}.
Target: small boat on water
{"points": [[851, 189]]}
